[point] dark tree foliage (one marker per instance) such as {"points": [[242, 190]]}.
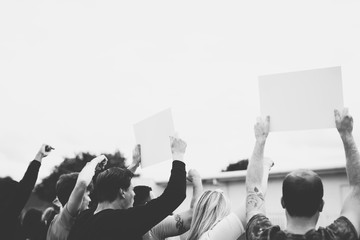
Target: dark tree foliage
{"points": [[46, 189], [240, 165]]}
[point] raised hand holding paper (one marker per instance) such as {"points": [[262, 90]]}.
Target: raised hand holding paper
{"points": [[153, 136], [301, 100]]}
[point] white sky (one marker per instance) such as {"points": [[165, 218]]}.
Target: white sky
{"points": [[79, 73]]}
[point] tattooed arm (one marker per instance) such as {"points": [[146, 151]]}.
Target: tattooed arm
{"points": [[180, 223], [257, 172], [169, 227], [350, 208]]}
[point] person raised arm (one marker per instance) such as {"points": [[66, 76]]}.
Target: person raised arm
{"points": [[257, 171], [136, 159], [84, 179], [195, 179], [174, 194], [14, 202], [179, 223], [351, 205], [27, 183], [183, 220]]}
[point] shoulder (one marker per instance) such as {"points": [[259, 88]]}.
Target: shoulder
{"points": [[260, 227], [341, 228], [63, 220], [229, 227], [107, 216], [60, 226], [84, 215]]}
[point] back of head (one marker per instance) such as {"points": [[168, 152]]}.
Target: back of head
{"points": [[109, 182], [65, 186], [302, 193], [142, 195], [211, 207], [48, 215], [32, 225]]}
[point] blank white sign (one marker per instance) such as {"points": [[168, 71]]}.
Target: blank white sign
{"points": [[153, 136], [301, 100]]}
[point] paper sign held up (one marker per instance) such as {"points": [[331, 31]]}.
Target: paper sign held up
{"points": [[153, 136], [301, 100]]}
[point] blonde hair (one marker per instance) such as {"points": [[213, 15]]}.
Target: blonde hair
{"points": [[211, 208]]}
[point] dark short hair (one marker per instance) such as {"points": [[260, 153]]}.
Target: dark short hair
{"points": [[109, 182], [302, 193], [142, 195], [65, 186], [32, 225]]}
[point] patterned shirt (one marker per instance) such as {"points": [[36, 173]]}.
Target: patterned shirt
{"points": [[260, 228]]}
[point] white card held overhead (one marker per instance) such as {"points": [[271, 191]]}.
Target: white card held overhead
{"points": [[301, 100], [153, 136]]}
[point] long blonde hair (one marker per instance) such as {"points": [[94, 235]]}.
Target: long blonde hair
{"points": [[211, 208]]}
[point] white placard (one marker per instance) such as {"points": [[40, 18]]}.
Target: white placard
{"points": [[301, 100], [153, 136]]}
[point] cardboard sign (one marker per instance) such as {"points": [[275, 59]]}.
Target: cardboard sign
{"points": [[153, 136], [301, 100]]}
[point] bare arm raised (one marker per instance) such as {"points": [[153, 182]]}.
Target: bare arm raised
{"points": [[195, 178], [82, 182], [183, 220], [351, 206], [180, 223], [136, 159], [257, 172]]}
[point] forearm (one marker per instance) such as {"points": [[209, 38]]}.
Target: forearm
{"points": [[26, 185], [76, 197], [255, 170], [176, 189], [255, 187], [133, 167], [352, 159], [156, 210], [38, 157], [197, 191], [173, 195]]}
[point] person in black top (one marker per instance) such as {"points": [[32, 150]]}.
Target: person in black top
{"points": [[14, 199], [114, 218], [302, 194]]}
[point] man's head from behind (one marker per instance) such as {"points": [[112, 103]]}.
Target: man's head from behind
{"points": [[113, 184], [302, 193], [64, 187]]}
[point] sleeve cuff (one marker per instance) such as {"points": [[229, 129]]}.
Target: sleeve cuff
{"points": [[178, 164], [35, 163]]}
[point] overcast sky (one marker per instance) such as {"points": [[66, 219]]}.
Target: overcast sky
{"points": [[77, 74]]}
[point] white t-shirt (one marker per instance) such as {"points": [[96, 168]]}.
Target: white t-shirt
{"points": [[229, 228], [60, 226]]}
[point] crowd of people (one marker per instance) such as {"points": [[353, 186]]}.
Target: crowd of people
{"points": [[123, 211]]}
